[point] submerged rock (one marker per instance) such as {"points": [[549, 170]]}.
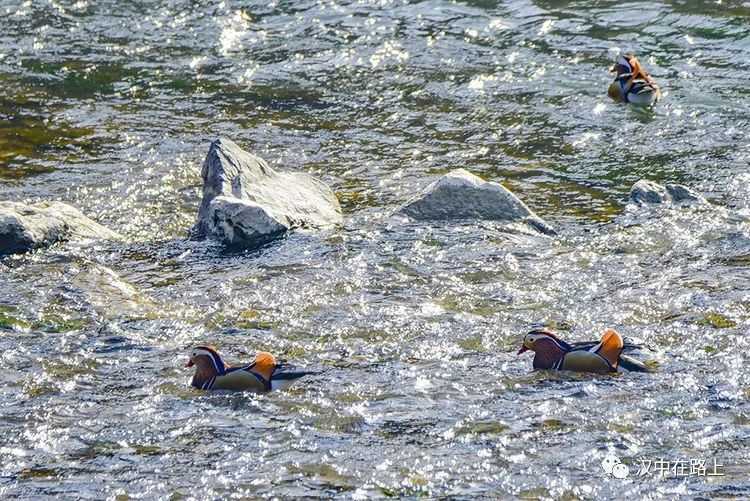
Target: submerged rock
{"points": [[246, 203], [102, 290], [24, 227], [649, 192], [462, 195]]}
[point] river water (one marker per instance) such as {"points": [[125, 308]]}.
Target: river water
{"points": [[111, 105]]}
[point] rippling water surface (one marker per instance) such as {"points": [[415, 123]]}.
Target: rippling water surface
{"points": [[111, 106]]}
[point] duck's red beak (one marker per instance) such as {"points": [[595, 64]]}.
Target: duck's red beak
{"points": [[189, 363], [523, 349]]}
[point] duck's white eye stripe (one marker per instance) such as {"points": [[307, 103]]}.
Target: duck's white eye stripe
{"points": [[215, 359]]}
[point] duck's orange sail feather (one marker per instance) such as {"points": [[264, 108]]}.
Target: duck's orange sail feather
{"points": [[611, 346], [264, 364]]}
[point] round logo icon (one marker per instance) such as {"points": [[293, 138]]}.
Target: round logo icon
{"points": [[612, 465], [609, 462], [620, 471]]}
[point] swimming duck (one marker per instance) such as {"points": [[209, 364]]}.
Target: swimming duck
{"points": [[604, 356], [262, 375], [632, 83]]}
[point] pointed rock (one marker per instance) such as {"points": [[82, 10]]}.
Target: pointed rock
{"points": [[246, 203], [462, 195]]}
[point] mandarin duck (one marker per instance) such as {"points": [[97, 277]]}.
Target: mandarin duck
{"points": [[260, 376], [604, 356], [632, 83]]}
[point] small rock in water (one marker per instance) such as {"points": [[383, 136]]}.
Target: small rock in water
{"points": [[246, 203], [240, 222], [25, 227], [462, 195], [649, 192]]}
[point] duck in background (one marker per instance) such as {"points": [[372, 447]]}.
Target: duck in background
{"points": [[602, 357], [260, 376], [632, 83]]}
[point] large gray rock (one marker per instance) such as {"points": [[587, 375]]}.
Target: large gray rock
{"points": [[462, 195], [246, 203], [24, 227], [649, 192]]}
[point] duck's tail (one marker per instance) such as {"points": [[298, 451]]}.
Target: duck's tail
{"points": [[283, 379], [292, 374], [633, 365]]}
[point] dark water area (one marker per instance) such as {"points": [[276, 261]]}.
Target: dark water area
{"points": [[111, 106]]}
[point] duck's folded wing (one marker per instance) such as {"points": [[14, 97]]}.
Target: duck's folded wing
{"points": [[240, 379], [625, 362], [585, 361], [603, 356]]}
